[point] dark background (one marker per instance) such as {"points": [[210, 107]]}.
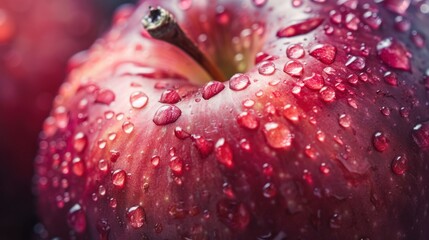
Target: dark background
{"points": [[37, 37]]}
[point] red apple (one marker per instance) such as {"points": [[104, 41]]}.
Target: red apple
{"points": [[36, 40], [320, 132]]}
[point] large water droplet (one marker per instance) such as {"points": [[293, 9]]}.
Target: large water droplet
{"points": [[266, 68], [138, 99], [380, 141], [78, 167], [79, 142], [180, 133], [128, 127], [224, 153], [119, 178], [248, 120], [76, 218], [233, 214], [176, 165], [170, 96], [167, 114], [295, 51], [259, 3], [269, 190], [211, 89], [391, 78], [397, 6], [420, 135], [239, 82], [402, 24], [394, 54], [136, 216], [356, 63], [291, 113], [327, 94], [314, 82], [277, 135], [293, 68], [372, 19], [352, 22], [344, 120], [400, 165], [204, 146], [324, 52], [300, 28]]}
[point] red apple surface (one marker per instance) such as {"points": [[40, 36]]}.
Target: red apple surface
{"points": [[321, 130], [36, 40]]}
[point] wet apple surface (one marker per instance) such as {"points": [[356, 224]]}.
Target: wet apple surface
{"points": [[320, 132]]}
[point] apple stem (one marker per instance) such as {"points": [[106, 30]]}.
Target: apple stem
{"points": [[161, 25]]}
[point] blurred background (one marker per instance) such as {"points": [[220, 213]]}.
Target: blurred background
{"points": [[37, 37]]}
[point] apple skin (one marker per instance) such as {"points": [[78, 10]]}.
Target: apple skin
{"points": [[36, 40], [270, 155]]}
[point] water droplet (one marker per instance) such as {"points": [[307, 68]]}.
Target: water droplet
{"points": [[204, 146], [300, 28], [233, 214], [400, 165], [356, 63], [113, 203], [372, 19], [180, 133], [128, 127], [222, 15], [262, 56], [136, 216], [394, 54], [248, 120], [402, 24], [391, 78], [185, 4], [266, 68], [228, 191], [277, 135], [291, 113], [418, 39], [314, 82], [239, 82], [78, 167], [119, 178], [397, 6], [324, 52], [138, 99], [259, 3], [352, 22], [211, 89], [420, 135], [269, 190], [324, 169], [111, 136], [224, 153], [105, 96], [79, 142], [335, 17], [155, 160], [293, 68], [295, 51], [380, 141], [248, 103], [310, 152], [167, 114], [320, 136], [385, 111], [109, 115], [103, 165], [335, 221], [244, 144], [102, 143], [176, 165], [76, 218], [327, 94], [170, 96], [353, 79], [61, 117], [307, 177], [103, 229], [404, 112], [344, 120]]}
